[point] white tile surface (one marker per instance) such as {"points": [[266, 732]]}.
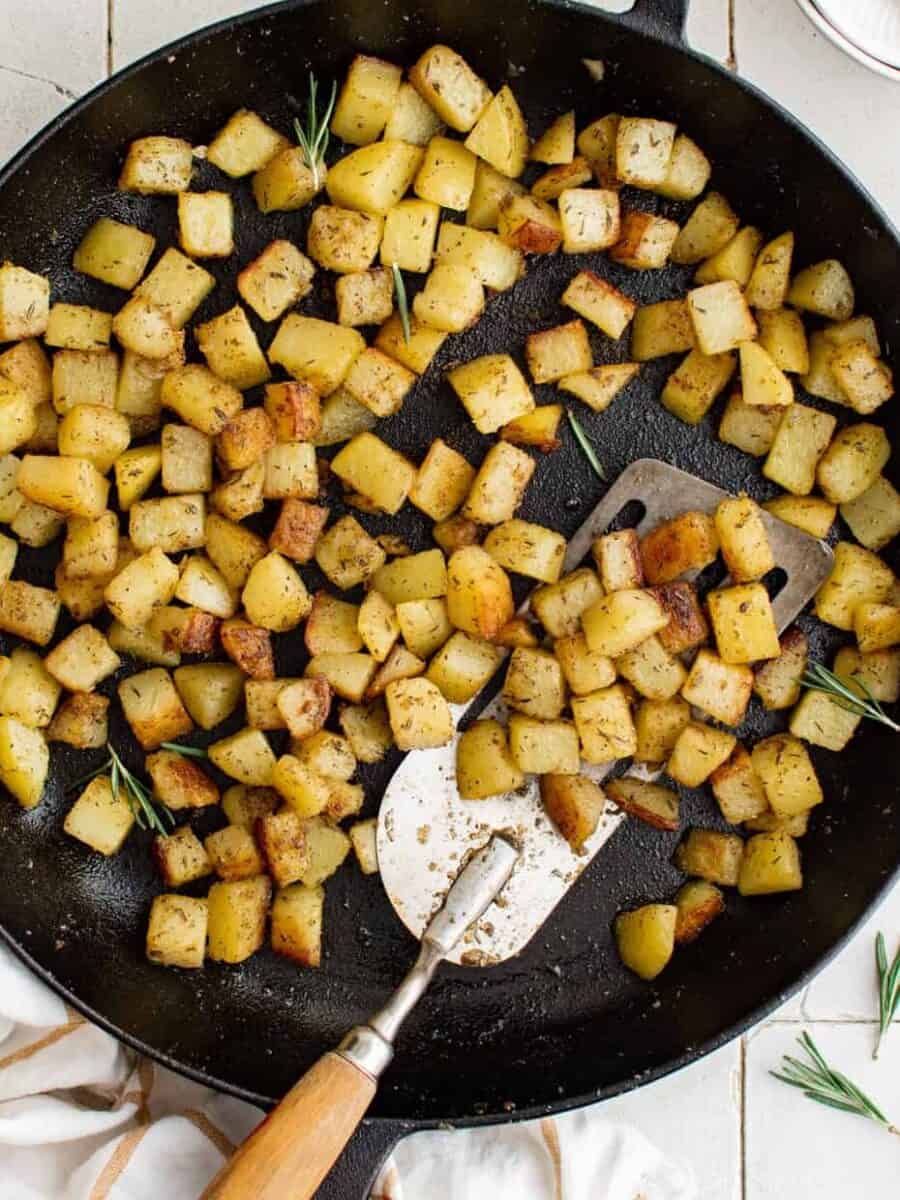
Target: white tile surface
{"points": [[746, 1136], [797, 1149]]}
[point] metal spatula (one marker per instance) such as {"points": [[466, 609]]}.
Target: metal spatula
{"points": [[474, 880]]}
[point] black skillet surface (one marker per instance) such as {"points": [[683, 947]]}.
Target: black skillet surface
{"points": [[564, 1023]]}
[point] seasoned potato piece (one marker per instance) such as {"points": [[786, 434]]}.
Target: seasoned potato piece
{"points": [[783, 336], [110, 251], [874, 516], [734, 261], [821, 721], [597, 142], [232, 352], [80, 721], [709, 229], [290, 471], [250, 647], [411, 119], [181, 857], [537, 428], [771, 863], [81, 660], [650, 802], [658, 724], [462, 666], [153, 709], [769, 280], [170, 524], [852, 462], [557, 143], [414, 577], [178, 782], [368, 730], [527, 549], [17, 416], [585, 671], [423, 625], [499, 485], [177, 931], [297, 924], [237, 918], [203, 587], [743, 539], [347, 555], [877, 626], [286, 182], [534, 684], [479, 596], [824, 289], [880, 671], [328, 847], [79, 377], [720, 316], [26, 365], [366, 99], [738, 789], [455, 533], [819, 379], [378, 382], [176, 286], [302, 788], [186, 458], [363, 837], [865, 381], [713, 856], [283, 841], [246, 756], [646, 241], [418, 714], [373, 178], [600, 303], [244, 805], [274, 595], [500, 135], [497, 265], [316, 352], [261, 702], [370, 466], [618, 559], [297, 530], [698, 903], [651, 669], [543, 747], [342, 240], [364, 297], [234, 549], [484, 764], [200, 398], [206, 224], [692, 388], [157, 166], [24, 761], [643, 150], [528, 224], [71, 486], [777, 682], [28, 611], [28, 691], [141, 587], [857, 577], [493, 391], [245, 439], [787, 775], [645, 938], [447, 83], [660, 329], [410, 229], [233, 853], [750, 427], [559, 606], [686, 543], [209, 691], [688, 170], [452, 299], [348, 674], [275, 280], [332, 626], [135, 471], [556, 352], [244, 145], [699, 750], [418, 350], [442, 481], [743, 624], [489, 193], [590, 218], [294, 410], [762, 383], [304, 706], [24, 303], [605, 726], [78, 327], [598, 387], [801, 440]]}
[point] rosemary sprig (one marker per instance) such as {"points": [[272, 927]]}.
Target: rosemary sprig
{"points": [[582, 439], [888, 989], [819, 679], [315, 137], [402, 302], [822, 1083], [148, 812], [187, 751]]}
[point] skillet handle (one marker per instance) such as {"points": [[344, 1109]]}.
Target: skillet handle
{"points": [[663, 19], [293, 1149]]}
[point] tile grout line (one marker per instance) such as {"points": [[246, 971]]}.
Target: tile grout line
{"points": [[743, 1117], [731, 61], [110, 5]]}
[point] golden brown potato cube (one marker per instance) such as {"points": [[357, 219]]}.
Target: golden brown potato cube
{"points": [[447, 83], [557, 143], [769, 280], [237, 918], [787, 775], [500, 136], [738, 789], [176, 931], [244, 440], [157, 166], [294, 410], [100, 817], [78, 327], [210, 691], [874, 516], [177, 286], [17, 416], [538, 428], [206, 224], [777, 682], [28, 611], [261, 702], [286, 182], [590, 218], [852, 462], [660, 329], [584, 670], [364, 297], [200, 398], [368, 730], [298, 529], [499, 485], [651, 670], [297, 924], [416, 352], [877, 626], [411, 119], [365, 847], [409, 232], [693, 387], [734, 262], [290, 471], [234, 549], [557, 352], [180, 857], [348, 674], [713, 856], [423, 625], [233, 853], [490, 191], [880, 671], [743, 624], [687, 172], [543, 747], [315, 352], [801, 440], [455, 533], [462, 666], [177, 781], [710, 228], [645, 938], [378, 382], [304, 706], [35, 525], [186, 459], [699, 750], [413, 577], [327, 754], [858, 576], [79, 377], [366, 100], [534, 684], [574, 804], [93, 432], [783, 336], [80, 721], [771, 863], [600, 303], [135, 471], [643, 150], [818, 378], [368, 465], [399, 664], [484, 765], [244, 145], [203, 587], [721, 317], [342, 240], [378, 625], [646, 241], [231, 349], [698, 903], [347, 555], [686, 543], [24, 303], [762, 383], [493, 391], [244, 805], [750, 427], [864, 381], [559, 606], [442, 482], [153, 709], [274, 595], [529, 224], [527, 549], [618, 559], [147, 331], [605, 726], [497, 265], [112, 252], [24, 761], [328, 847], [80, 661], [275, 280], [373, 178], [824, 289], [659, 724], [743, 539], [170, 524], [452, 299], [246, 756], [26, 365], [821, 721], [619, 622], [283, 841], [650, 802], [479, 595], [418, 714]]}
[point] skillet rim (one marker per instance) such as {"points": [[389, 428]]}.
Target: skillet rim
{"points": [[673, 39]]}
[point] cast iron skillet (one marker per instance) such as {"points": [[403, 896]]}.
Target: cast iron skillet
{"points": [[563, 1024]]}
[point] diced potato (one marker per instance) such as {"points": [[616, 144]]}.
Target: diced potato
{"points": [[348, 674], [367, 730], [650, 802], [738, 789], [414, 577], [787, 775], [769, 280], [342, 240], [297, 924], [177, 931], [35, 525], [479, 596], [559, 606], [660, 329], [81, 660], [743, 624], [209, 691], [274, 595], [646, 241], [81, 721], [72, 486], [28, 611], [484, 764], [762, 383], [600, 303], [500, 135], [363, 837], [659, 724], [261, 702], [865, 381], [142, 643], [328, 847], [857, 577], [24, 303], [688, 171], [373, 178], [442, 481], [304, 706], [286, 182], [877, 626], [585, 671], [801, 440], [411, 119], [489, 193], [366, 99], [698, 903], [410, 229], [455, 533], [245, 439], [874, 516], [720, 316], [750, 427], [370, 466], [447, 174], [245, 756], [316, 352], [537, 428], [543, 747], [186, 458], [645, 938], [147, 331], [179, 783], [153, 709], [557, 143], [347, 555], [821, 721], [79, 377], [290, 472], [553, 353], [364, 297], [710, 228], [783, 336], [686, 543], [734, 261], [232, 352], [447, 83], [233, 853], [452, 299], [651, 670], [25, 364], [880, 671], [824, 289], [203, 587], [170, 524], [298, 528], [713, 856], [200, 398], [853, 462], [28, 691], [720, 689], [418, 714], [181, 857], [157, 166], [17, 416], [283, 841], [743, 539], [462, 666], [45, 437], [332, 626], [527, 549], [78, 327], [643, 150], [136, 470], [528, 224], [241, 495], [534, 685], [415, 352], [771, 863], [698, 751], [605, 725], [492, 390], [618, 559], [206, 224], [499, 485], [244, 805], [560, 180], [185, 630], [245, 144], [777, 682], [496, 264], [237, 918], [275, 280], [112, 252], [176, 286], [423, 625], [693, 387]]}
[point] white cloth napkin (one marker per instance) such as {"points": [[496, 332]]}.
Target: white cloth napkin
{"points": [[83, 1118]]}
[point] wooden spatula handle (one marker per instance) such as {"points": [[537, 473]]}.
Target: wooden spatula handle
{"points": [[291, 1152]]}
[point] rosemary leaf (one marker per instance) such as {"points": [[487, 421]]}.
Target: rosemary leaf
{"points": [[818, 678], [402, 302], [315, 136], [820, 1082], [186, 751], [888, 989], [589, 451]]}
